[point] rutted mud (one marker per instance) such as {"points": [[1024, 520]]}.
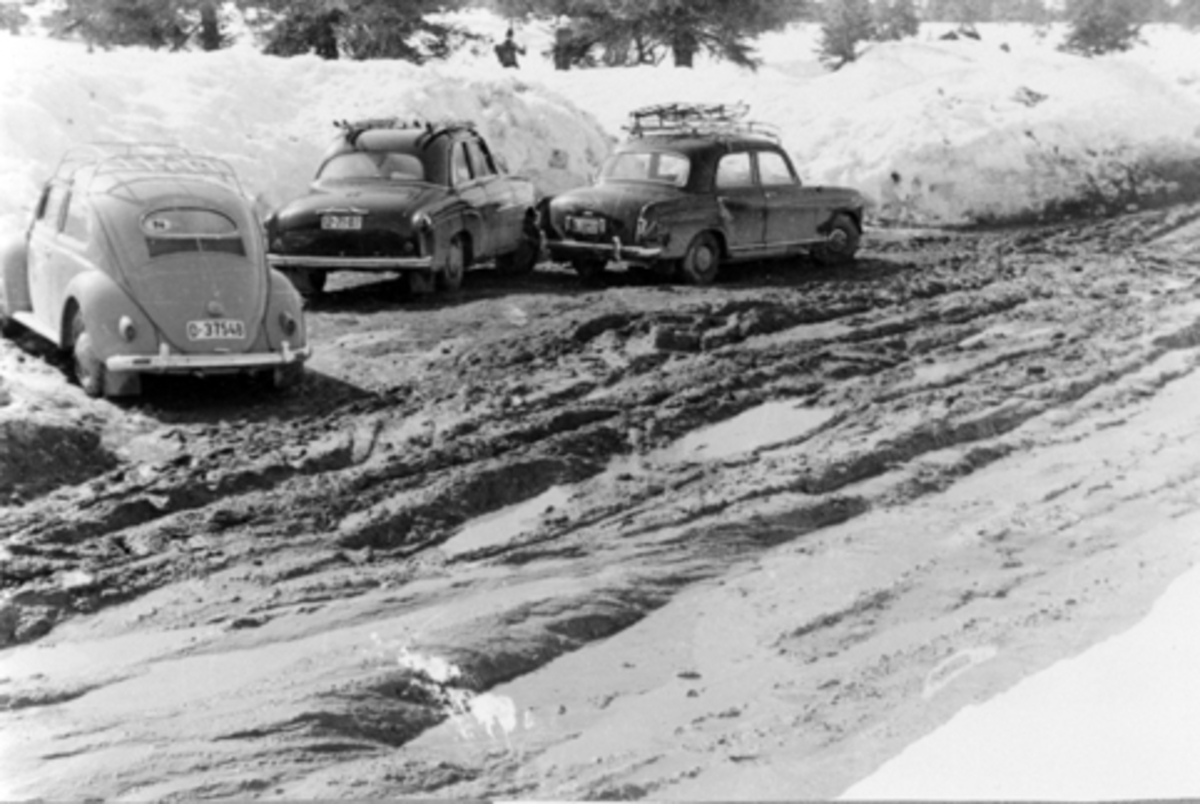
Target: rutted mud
{"points": [[642, 540]]}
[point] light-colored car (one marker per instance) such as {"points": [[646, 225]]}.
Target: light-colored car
{"points": [[150, 259]]}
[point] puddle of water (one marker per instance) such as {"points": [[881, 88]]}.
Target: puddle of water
{"points": [[769, 423], [506, 524]]}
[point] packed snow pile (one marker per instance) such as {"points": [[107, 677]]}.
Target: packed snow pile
{"points": [[935, 132], [962, 131], [270, 117]]}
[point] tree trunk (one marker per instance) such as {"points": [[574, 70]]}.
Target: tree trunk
{"points": [[684, 48], [210, 27]]}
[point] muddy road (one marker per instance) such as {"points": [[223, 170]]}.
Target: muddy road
{"points": [[635, 541]]}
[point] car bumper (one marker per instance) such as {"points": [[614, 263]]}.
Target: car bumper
{"points": [[350, 263], [166, 362], [614, 250]]}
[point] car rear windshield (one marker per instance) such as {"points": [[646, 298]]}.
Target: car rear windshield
{"points": [[391, 165], [190, 229], [663, 167]]}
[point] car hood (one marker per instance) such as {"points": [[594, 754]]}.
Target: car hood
{"points": [[176, 289], [381, 203], [617, 201]]}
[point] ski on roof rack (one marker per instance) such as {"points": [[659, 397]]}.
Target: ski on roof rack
{"points": [[690, 119], [354, 129]]}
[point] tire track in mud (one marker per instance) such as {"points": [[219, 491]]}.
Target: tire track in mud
{"points": [[932, 370]]}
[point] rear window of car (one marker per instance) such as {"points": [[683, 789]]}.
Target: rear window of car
{"points": [[391, 165], [191, 229], [663, 167]]}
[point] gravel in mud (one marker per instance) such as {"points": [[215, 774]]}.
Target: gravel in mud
{"points": [[639, 540]]}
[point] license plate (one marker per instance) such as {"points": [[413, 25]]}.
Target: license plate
{"points": [[586, 226], [341, 222], [217, 329]]}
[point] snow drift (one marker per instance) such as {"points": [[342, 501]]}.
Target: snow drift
{"points": [[936, 132], [270, 117]]}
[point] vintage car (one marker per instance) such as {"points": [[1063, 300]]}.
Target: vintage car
{"points": [[421, 199], [150, 259], [696, 187]]}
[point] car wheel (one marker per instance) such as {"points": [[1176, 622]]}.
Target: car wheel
{"points": [[450, 277], [306, 282], [702, 259], [525, 258], [590, 271], [316, 281], [89, 369], [841, 242]]}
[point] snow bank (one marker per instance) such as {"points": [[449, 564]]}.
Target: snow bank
{"points": [[934, 131], [270, 117]]}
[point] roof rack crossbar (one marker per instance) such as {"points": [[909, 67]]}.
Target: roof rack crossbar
{"points": [[689, 119]]}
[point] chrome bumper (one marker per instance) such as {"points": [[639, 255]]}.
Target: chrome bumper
{"points": [[566, 249], [350, 263], [170, 362]]}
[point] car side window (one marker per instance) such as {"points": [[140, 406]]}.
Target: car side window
{"points": [[460, 167], [734, 170], [481, 160], [774, 170], [51, 206]]}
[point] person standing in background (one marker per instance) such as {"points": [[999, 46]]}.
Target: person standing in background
{"points": [[508, 50]]}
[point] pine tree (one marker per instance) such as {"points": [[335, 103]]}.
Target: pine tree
{"points": [[12, 18], [1102, 26], [845, 23], [895, 19]]}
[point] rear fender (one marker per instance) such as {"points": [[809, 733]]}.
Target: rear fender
{"points": [[283, 300], [14, 279], [103, 304]]}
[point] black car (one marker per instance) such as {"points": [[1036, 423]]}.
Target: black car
{"points": [[694, 188], [424, 199]]}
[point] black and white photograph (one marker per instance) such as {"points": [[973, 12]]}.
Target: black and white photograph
{"points": [[562, 400]]}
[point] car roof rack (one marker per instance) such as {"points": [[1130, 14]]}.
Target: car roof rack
{"points": [[696, 119], [353, 129], [106, 158]]}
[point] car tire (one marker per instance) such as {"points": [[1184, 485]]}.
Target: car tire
{"points": [[590, 271], [525, 258], [450, 276], [841, 244], [307, 282], [316, 281], [89, 369], [702, 260]]}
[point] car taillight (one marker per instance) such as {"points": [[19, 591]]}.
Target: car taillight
{"points": [[287, 323], [126, 328]]}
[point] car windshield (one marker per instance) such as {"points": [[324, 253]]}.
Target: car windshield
{"points": [[180, 229], [391, 165], [663, 167]]}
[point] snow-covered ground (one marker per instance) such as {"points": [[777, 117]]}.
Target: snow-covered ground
{"points": [[934, 131], [1116, 722]]}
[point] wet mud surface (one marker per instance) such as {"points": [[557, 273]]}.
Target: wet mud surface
{"points": [[641, 540]]}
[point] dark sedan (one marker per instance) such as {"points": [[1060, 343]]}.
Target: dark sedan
{"points": [[693, 189], [425, 200]]}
